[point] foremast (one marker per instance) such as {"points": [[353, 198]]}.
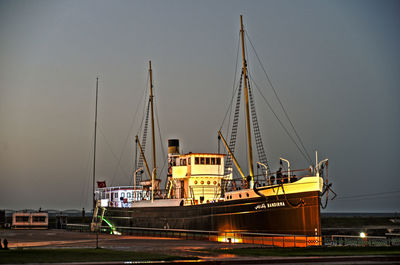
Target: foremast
{"points": [[246, 95]]}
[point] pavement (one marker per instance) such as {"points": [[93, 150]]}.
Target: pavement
{"points": [[170, 246]]}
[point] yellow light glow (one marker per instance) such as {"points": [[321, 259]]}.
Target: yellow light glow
{"points": [[229, 239], [363, 235]]}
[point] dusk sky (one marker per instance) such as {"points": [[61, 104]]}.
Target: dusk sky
{"points": [[335, 65]]}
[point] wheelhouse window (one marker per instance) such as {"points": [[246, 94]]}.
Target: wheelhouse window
{"points": [[218, 161], [207, 161], [202, 160], [212, 160], [197, 160]]}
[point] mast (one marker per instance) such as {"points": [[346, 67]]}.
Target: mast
{"points": [[152, 122], [246, 95], [94, 145]]}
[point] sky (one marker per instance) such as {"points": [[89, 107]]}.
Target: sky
{"points": [[334, 64]]}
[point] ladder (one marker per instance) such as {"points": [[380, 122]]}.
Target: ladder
{"points": [[257, 134]]}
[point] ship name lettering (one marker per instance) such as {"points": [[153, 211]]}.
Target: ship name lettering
{"points": [[260, 206], [275, 204]]}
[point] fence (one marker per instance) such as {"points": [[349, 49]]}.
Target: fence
{"points": [[277, 240], [346, 240]]}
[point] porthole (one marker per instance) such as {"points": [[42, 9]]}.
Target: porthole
{"points": [[240, 195], [202, 182], [247, 195], [195, 182], [208, 182], [215, 182]]}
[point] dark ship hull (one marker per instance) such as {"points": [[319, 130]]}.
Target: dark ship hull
{"points": [[291, 214]]}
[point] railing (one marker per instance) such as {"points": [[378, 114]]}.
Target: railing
{"points": [[346, 240], [274, 178], [278, 240]]}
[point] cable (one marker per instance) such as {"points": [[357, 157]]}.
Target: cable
{"points": [[280, 103], [234, 89], [280, 122], [368, 195]]}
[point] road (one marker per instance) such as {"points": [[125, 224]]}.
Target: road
{"points": [[170, 246]]}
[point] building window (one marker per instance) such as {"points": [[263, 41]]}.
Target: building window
{"points": [[38, 219], [196, 160], [123, 194], [22, 218], [128, 194]]}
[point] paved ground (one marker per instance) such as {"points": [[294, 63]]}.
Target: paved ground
{"points": [[172, 246], [67, 239]]}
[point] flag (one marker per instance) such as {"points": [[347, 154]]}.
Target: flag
{"points": [[101, 184]]}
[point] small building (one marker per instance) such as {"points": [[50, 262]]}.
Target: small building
{"points": [[30, 220]]}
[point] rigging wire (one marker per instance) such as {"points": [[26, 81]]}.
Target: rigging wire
{"points": [[280, 102], [127, 137], [369, 195], [160, 136], [113, 153], [234, 89], [280, 122], [144, 104]]}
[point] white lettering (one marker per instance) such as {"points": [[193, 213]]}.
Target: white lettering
{"points": [[260, 206], [275, 204]]}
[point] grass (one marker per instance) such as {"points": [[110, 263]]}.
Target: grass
{"points": [[312, 251], [77, 255]]}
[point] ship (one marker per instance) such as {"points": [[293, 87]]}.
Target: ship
{"points": [[202, 194]]}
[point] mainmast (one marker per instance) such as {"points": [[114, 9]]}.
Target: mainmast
{"points": [[94, 145], [246, 95], [152, 122]]}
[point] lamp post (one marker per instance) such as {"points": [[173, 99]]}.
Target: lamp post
{"points": [[287, 161], [152, 185]]}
